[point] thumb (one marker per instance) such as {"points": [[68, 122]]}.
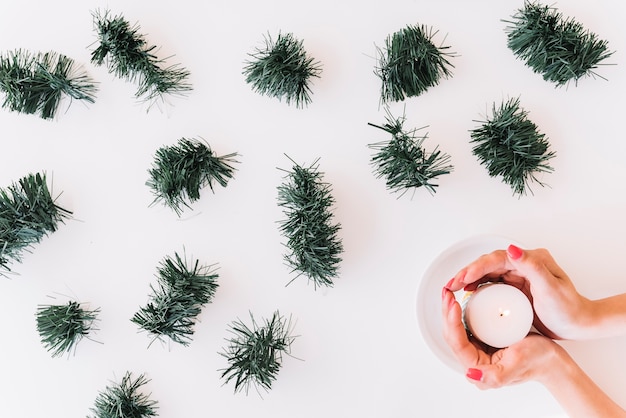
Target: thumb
{"points": [[490, 376]]}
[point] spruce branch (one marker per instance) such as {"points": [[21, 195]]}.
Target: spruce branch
{"points": [[128, 56], [411, 63], [180, 171], [282, 70], [312, 238], [182, 291], [254, 352], [62, 327], [403, 161], [36, 83], [558, 48], [125, 400], [27, 214], [511, 146]]}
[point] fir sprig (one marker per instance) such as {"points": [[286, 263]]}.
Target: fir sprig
{"points": [[27, 214], [182, 291], [128, 55], [62, 327], [282, 70], [558, 48], [125, 400], [36, 83], [254, 352], [403, 161], [511, 146], [312, 238], [180, 171], [411, 63]]}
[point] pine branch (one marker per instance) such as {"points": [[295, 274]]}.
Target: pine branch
{"points": [[510, 146], [36, 83], [411, 63], [403, 161], [558, 48], [180, 171], [312, 238], [128, 55], [255, 352], [282, 70], [61, 327], [27, 214], [176, 302], [124, 400]]}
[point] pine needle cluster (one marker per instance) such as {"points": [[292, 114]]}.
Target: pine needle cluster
{"points": [[62, 327], [312, 238], [128, 56], [27, 214], [177, 300], [411, 63], [511, 146], [558, 48], [255, 352], [180, 171], [403, 161], [36, 83], [282, 70], [125, 400]]}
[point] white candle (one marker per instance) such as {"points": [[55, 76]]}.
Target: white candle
{"points": [[498, 314]]}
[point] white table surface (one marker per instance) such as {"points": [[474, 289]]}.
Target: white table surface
{"points": [[359, 351]]}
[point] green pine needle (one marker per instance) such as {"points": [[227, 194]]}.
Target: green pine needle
{"points": [[181, 170], [559, 48], [312, 238], [282, 70], [403, 161], [61, 327], [510, 146], [182, 290], [36, 83], [255, 352], [27, 214], [124, 400], [411, 63], [127, 55]]}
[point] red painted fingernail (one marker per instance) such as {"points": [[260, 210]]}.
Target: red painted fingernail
{"points": [[447, 286], [514, 252], [474, 374]]}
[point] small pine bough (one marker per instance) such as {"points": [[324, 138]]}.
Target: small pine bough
{"points": [[403, 161], [180, 171], [560, 49], [282, 70], [125, 400], [312, 238], [255, 352], [511, 146]]}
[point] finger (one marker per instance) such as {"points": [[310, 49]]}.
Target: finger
{"points": [[486, 267], [454, 331], [536, 266]]}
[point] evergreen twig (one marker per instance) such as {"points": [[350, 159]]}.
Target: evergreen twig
{"points": [[124, 400], [180, 171], [254, 352], [312, 238], [411, 63], [282, 70], [510, 146], [178, 299], [558, 48]]}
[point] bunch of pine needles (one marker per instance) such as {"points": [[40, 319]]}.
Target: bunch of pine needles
{"points": [[403, 161], [411, 63], [180, 171], [182, 291], [125, 400], [36, 83], [255, 352], [282, 69], [560, 49], [27, 214], [511, 146], [312, 238]]}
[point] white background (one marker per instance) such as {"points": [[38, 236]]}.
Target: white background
{"points": [[359, 350]]}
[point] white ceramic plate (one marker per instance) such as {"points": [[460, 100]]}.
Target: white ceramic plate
{"points": [[440, 271]]}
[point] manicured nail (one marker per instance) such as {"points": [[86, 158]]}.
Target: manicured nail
{"points": [[474, 374], [514, 252]]}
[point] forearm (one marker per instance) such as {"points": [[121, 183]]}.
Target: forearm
{"points": [[607, 317]]}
